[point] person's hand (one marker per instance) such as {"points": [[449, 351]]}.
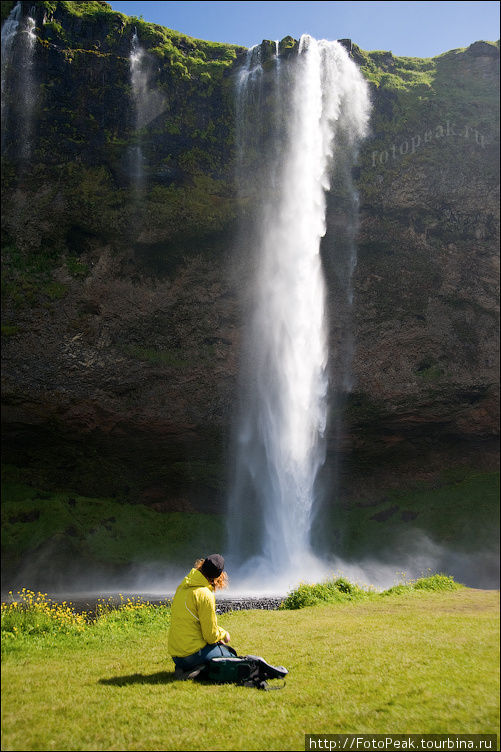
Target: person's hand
{"points": [[226, 638]]}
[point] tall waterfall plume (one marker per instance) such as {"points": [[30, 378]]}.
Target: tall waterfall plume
{"points": [[18, 85], [297, 114]]}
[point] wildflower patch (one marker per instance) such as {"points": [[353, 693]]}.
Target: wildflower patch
{"points": [[29, 615]]}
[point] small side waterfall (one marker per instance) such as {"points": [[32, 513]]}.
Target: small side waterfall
{"points": [[139, 83], [295, 118], [148, 103], [18, 85], [9, 31]]}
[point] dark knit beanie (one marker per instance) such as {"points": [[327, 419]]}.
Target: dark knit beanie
{"points": [[213, 566]]}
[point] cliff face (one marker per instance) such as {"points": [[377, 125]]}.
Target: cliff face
{"points": [[121, 314], [120, 324], [427, 277]]}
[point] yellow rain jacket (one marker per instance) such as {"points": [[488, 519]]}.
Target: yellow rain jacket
{"points": [[193, 616]]}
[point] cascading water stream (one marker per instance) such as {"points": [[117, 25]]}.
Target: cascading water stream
{"points": [[18, 86], [139, 83], [292, 115], [148, 102], [9, 32]]}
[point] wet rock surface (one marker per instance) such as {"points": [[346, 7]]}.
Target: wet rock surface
{"points": [[245, 604]]}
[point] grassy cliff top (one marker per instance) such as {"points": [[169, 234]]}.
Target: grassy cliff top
{"points": [[380, 67], [61, 24], [386, 70]]}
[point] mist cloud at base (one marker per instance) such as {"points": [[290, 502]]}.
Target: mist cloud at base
{"points": [[415, 556]]}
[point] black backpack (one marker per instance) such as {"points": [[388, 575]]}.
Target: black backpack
{"points": [[247, 671]]}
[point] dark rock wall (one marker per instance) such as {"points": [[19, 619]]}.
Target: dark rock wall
{"points": [[427, 284]]}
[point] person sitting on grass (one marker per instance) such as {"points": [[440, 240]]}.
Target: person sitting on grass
{"points": [[194, 635]]}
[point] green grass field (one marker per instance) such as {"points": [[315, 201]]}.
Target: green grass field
{"points": [[419, 662]]}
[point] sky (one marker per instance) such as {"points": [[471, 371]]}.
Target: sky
{"points": [[415, 29]]}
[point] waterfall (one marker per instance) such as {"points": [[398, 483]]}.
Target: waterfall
{"points": [[139, 83], [294, 118], [18, 86], [148, 104], [9, 30]]}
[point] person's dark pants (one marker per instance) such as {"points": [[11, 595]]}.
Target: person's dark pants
{"points": [[202, 656]]}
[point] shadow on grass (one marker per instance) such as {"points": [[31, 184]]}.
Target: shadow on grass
{"points": [[161, 677]]}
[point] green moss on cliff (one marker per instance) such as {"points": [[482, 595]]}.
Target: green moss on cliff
{"points": [[87, 134], [27, 277], [458, 511], [461, 512], [191, 211], [414, 97], [52, 528], [188, 58], [6, 7]]}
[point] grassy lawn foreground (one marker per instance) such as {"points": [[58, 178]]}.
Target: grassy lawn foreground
{"points": [[426, 662]]}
